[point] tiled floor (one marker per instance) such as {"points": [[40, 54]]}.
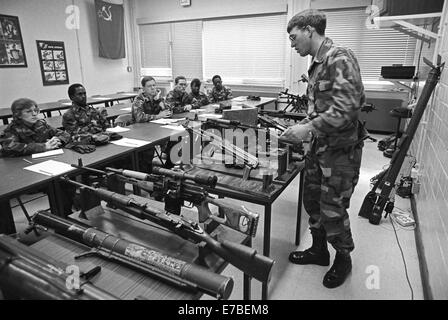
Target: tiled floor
{"points": [[378, 269]]}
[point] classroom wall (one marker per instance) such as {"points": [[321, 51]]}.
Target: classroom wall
{"points": [[46, 20], [430, 145]]}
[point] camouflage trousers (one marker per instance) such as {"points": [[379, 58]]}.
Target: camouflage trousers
{"points": [[329, 181]]}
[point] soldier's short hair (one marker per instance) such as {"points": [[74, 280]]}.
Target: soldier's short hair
{"points": [[146, 79], [176, 81], [72, 89], [216, 76], [195, 82], [310, 17], [21, 104]]}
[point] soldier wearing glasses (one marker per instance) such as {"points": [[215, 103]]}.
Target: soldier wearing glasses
{"points": [[336, 93], [27, 134]]}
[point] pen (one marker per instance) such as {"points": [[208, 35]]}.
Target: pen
{"points": [[45, 172], [27, 161]]}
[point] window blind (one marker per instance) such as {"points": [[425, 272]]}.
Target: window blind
{"points": [[373, 48], [249, 50], [154, 42], [187, 49]]}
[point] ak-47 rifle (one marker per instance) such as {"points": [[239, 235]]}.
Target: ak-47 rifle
{"points": [[173, 271], [28, 274], [176, 187], [242, 257], [375, 203]]}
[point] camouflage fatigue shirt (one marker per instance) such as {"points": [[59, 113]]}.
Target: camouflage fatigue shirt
{"points": [[145, 108], [224, 94], [196, 101], [82, 120], [335, 94], [174, 100], [21, 138]]}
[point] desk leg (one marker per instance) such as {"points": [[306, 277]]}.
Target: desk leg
{"points": [[7, 225], [299, 208], [55, 198], [247, 280], [5, 120], [136, 167], [266, 244]]}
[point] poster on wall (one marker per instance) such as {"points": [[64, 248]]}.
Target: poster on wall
{"points": [[53, 63], [12, 52]]}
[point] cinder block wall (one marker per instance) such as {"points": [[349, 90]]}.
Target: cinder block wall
{"points": [[430, 145]]}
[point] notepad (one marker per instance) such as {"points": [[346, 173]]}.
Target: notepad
{"points": [[171, 127], [167, 121], [50, 168], [132, 143], [47, 153], [117, 129]]}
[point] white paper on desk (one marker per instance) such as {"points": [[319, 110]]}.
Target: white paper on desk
{"points": [[117, 129], [66, 103], [127, 142], [99, 98], [210, 116], [127, 109], [50, 168], [128, 94], [47, 153], [239, 99], [167, 121], [198, 110], [171, 127]]}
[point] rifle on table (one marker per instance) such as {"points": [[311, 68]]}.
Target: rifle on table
{"points": [[247, 160], [242, 257], [175, 272], [299, 103], [175, 188], [375, 203], [28, 274], [296, 116]]}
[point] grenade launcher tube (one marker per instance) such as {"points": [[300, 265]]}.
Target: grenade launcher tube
{"points": [[206, 281]]}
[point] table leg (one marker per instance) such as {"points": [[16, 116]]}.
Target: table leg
{"points": [[266, 244], [247, 279], [299, 208], [55, 199], [7, 225]]}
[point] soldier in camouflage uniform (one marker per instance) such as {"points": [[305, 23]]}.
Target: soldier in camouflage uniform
{"points": [[336, 93], [27, 134], [219, 92], [81, 118], [196, 98], [176, 97], [149, 105]]}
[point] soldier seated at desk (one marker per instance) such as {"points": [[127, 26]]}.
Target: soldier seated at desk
{"points": [[149, 104], [196, 98], [28, 134], [82, 120], [219, 92], [175, 99]]}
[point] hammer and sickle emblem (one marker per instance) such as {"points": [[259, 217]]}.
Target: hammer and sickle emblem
{"points": [[244, 223], [105, 13]]}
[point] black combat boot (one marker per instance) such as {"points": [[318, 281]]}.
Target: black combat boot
{"points": [[339, 271], [317, 254]]}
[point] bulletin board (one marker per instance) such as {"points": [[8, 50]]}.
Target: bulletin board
{"points": [[53, 62], [12, 52]]}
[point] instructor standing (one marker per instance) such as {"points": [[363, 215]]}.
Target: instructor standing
{"points": [[336, 93]]}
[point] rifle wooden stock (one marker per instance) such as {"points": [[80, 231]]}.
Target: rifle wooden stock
{"points": [[27, 274], [242, 257], [175, 271]]}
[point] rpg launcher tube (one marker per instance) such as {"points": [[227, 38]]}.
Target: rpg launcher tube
{"points": [[25, 273], [206, 281]]}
